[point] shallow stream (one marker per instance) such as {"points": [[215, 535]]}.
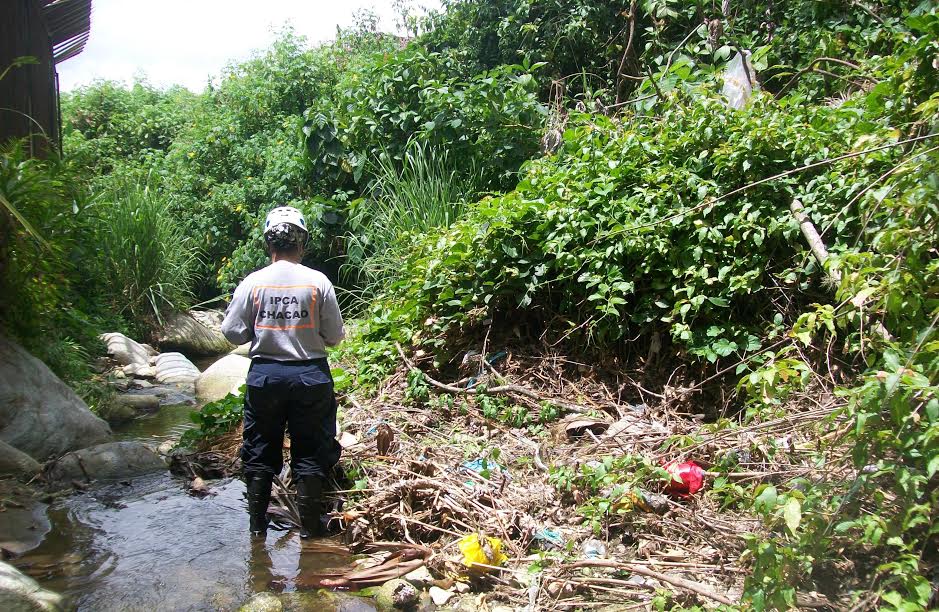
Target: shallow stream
{"points": [[146, 544]]}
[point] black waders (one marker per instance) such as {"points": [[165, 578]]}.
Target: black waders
{"points": [[310, 505], [259, 496]]}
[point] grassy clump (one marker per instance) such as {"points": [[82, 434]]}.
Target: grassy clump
{"points": [[146, 254]]}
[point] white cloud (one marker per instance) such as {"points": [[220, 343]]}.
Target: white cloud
{"points": [[186, 42]]}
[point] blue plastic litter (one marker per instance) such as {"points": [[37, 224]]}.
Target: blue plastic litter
{"points": [[374, 428], [477, 466], [497, 357], [550, 536]]}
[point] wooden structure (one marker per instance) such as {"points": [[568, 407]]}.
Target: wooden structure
{"points": [[48, 32]]}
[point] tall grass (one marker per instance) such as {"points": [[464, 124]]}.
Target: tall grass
{"points": [[407, 198], [149, 259]]}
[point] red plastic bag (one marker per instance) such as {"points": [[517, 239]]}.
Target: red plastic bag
{"points": [[687, 478]]}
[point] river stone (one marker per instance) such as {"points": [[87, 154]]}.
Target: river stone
{"points": [[242, 349], [262, 602], [139, 402], [20, 593], [323, 601], [39, 414], [174, 368], [136, 370], [110, 461], [221, 377], [126, 351], [116, 412], [17, 463], [396, 594], [184, 333]]}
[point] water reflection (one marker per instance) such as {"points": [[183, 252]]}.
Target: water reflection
{"points": [[149, 545]]}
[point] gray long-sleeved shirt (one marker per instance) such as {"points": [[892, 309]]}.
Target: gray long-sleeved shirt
{"points": [[287, 311]]}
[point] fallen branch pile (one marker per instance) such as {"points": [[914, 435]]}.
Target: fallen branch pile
{"points": [[427, 474]]}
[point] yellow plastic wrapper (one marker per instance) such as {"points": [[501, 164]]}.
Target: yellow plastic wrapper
{"points": [[480, 549]]}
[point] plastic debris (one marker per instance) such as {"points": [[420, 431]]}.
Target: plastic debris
{"points": [[739, 80], [439, 596], [649, 502], [481, 549], [482, 465], [497, 357], [374, 428], [347, 440], [578, 427], [549, 538], [687, 478], [593, 549]]}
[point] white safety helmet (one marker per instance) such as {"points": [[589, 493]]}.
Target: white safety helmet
{"points": [[285, 214]]}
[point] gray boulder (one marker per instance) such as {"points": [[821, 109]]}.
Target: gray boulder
{"points": [[39, 414], [136, 370], [139, 403], [126, 351], [17, 463], [126, 407], [222, 377], [20, 593], [174, 368], [110, 461], [184, 333]]}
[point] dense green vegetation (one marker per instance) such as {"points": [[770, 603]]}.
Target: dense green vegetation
{"points": [[569, 169]]}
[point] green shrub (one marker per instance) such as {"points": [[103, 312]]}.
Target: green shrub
{"points": [[215, 419], [490, 122], [623, 230]]}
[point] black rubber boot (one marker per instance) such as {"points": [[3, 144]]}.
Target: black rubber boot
{"points": [[259, 496], [310, 505]]}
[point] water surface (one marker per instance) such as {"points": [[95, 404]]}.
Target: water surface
{"points": [[147, 544]]}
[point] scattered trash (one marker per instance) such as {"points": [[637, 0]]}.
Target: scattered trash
{"points": [[374, 428], [739, 80], [687, 478], [593, 549], [469, 357], [482, 465], [739, 456], [478, 549], [347, 440], [577, 428], [497, 357], [440, 596], [549, 538], [648, 501]]}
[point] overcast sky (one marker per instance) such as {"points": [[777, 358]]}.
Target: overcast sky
{"points": [[187, 41]]}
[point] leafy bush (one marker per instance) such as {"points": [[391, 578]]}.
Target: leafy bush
{"points": [[148, 258], [49, 273], [630, 227], [490, 122], [108, 126], [215, 419]]}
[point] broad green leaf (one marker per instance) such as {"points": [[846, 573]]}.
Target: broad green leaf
{"points": [[792, 513]]}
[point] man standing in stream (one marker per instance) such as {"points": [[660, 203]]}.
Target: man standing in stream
{"points": [[290, 315]]}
